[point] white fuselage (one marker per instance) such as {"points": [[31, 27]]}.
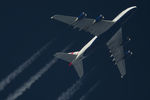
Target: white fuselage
{"points": [[86, 47]]}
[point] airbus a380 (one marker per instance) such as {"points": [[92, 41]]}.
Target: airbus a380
{"points": [[96, 27]]}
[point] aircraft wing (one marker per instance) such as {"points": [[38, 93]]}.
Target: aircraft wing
{"points": [[86, 24], [117, 51], [65, 19], [70, 20], [99, 27]]}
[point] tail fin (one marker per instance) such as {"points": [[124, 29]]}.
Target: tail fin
{"points": [[69, 57]]}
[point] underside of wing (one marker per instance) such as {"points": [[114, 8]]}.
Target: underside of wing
{"points": [[100, 27], [117, 51], [95, 28], [74, 21], [87, 24], [83, 24], [122, 67]]}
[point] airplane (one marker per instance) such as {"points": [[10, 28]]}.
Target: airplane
{"points": [[95, 27]]}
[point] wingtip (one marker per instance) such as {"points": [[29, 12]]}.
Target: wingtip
{"points": [[52, 17], [56, 55], [133, 7]]}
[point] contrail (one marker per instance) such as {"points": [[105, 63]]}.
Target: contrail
{"points": [[85, 96], [70, 91], [32, 80], [23, 66], [28, 84], [74, 88]]}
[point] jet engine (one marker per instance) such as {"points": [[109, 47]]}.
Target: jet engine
{"points": [[82, 15], [130, 52], [99, 18]]}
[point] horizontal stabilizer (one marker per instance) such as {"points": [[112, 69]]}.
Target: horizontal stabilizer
{"points": [[69, 57], [64, 56], [78, 65]]}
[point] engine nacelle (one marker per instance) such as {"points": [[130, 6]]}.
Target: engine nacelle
{"points": [[129, 52], [82, 15], [99, 18]]}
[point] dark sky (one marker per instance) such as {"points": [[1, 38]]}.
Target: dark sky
{"points": [[25, 27]]}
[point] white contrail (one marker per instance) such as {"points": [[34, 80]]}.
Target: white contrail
{"points": [[70, 91], [23, 66], [28, 84], [32, 80], [85, 96], [74, 88]]}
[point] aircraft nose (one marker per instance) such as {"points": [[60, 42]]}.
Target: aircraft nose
{"points": [[134, 7], [130, 8]]}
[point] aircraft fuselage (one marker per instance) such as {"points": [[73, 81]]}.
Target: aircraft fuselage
{"points": [[86, 47]]}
